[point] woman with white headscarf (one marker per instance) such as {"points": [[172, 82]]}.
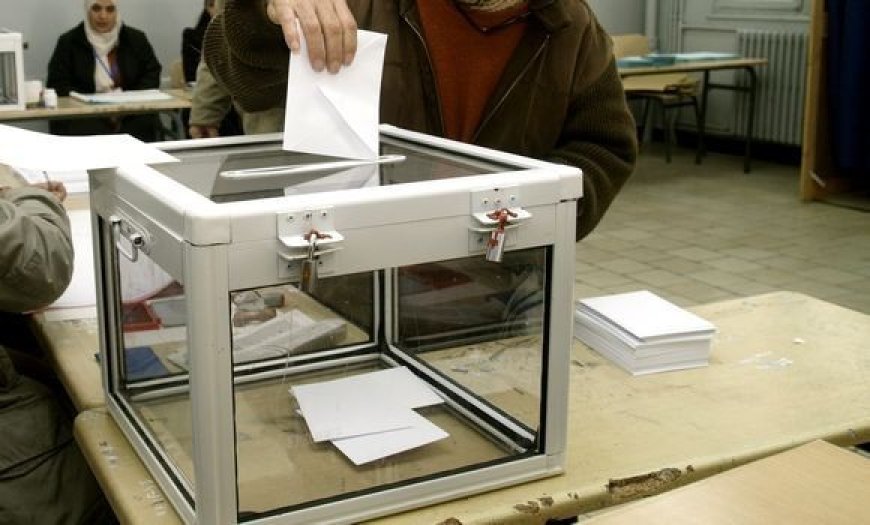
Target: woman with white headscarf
{"points": [[104, 54]]}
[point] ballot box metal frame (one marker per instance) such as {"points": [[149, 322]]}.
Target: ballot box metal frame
{"points": [[136, 208], [12, 71]]}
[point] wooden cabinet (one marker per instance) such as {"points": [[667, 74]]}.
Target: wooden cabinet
{"points": [[819, 176]]}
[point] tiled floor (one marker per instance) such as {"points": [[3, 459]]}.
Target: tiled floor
{"points": [[697, 234]]}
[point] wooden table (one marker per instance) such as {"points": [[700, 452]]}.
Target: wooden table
{"points": [[69, 107], [706, 67], [786, 369], [814, 483]]}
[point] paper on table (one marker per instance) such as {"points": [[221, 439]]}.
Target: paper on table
{"points": [[40, 151], [363, 404], [122, 97], [646, 316], [75, 181], [363, 449], [82, 289], [336, 114]]}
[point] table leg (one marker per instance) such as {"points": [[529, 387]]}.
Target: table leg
{"points": [[750, 121], [702, 120]]}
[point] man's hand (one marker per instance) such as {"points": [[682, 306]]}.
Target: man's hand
{"points": [[202, 132], [328, 26], [54, 187]]}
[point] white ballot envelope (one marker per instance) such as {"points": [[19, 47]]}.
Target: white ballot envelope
{"points": [[336, 114]]}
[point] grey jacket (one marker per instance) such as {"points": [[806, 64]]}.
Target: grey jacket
{"points": [[43, 476], [36, 253]]}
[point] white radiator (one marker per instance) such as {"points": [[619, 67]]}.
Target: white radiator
{"points": [[670, 23], [779, 105]]}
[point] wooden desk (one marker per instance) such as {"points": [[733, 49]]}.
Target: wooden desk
{"points": [[786, 369], [814, 483], [72, 345], [706, 67], [68, 107]]}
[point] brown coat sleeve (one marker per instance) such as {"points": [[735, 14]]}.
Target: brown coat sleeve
{"points": [[599, 134], [36, 252]]}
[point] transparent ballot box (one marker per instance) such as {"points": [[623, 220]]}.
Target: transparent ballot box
{"points": [[12, 96], [290, 338]]}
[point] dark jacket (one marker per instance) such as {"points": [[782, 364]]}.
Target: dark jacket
{"points": [[72, 64], [71, 68], [560, 98]]}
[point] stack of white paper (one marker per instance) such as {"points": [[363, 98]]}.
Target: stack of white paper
{"points": [[122, 97], [643, 333], [370, 416]]}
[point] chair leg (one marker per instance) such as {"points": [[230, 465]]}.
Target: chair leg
{"points": [[669, 117], [697, 108], [643, 123]]}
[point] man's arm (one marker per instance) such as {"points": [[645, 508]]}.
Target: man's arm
{"points": [[210, 103], [599, 134], [246, 45], [36, 253], [329, 28]]}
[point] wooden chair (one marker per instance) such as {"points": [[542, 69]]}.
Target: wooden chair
{"points": [[176, 75], [671, 91], [176, 127]]}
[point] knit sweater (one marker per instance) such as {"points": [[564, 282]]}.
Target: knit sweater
{"points": [[468, 58]]}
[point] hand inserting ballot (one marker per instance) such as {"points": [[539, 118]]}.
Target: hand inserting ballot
{"points": [[328, 25]]}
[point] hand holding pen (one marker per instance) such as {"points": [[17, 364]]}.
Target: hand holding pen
{"points": [[55, 187]]}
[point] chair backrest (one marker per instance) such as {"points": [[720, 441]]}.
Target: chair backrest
{"points": [[630, 45], [176, 75]]}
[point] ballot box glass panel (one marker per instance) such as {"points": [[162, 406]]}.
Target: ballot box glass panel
{"points": [[299, 338], [152, 371], [482, 406], [480, 325]]}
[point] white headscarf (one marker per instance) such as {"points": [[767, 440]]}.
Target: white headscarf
{"points": [[103, 44]]}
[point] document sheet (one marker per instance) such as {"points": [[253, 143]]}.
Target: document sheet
{"points": [[369, 416], [40, 151]]}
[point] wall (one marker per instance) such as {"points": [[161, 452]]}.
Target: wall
{"points": [[42, 21], [620, 16]]}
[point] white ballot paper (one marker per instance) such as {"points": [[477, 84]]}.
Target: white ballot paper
{"points": [[363, 404], [336, 114], [82, 289], [40, 151], [75, 181], [367, 448]]}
